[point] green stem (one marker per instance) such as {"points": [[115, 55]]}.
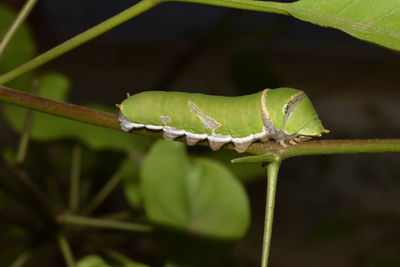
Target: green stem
{"points": [[80, 39], [26, 131], [272, 171], [103, 193], [22, 259], [102, 223], [341, 147], [142, 6], [75, 175], [66, 251], [25, 136], [262, 6], [26, 9], [267, 152]]}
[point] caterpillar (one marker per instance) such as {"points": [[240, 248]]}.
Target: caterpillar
{"points": [[283, 114]]}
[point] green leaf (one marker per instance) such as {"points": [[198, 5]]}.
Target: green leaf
{"points": [[129, 171], [200, 195], [54, 86], [20, 49], [92, 261], [376, 21]]}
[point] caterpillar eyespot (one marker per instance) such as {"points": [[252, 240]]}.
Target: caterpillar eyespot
{"points": [[284, 114]]}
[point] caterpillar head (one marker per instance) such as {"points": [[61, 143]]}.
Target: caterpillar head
{"points": [[292, 114]]}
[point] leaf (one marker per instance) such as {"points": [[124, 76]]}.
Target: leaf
{"points": [[97, 261], [92, 261], [376, 21], [20, 49], [200, 196], [53, 85], [129, 171]]}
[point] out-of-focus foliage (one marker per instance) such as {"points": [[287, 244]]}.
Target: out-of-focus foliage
{"points": [[196, 195]]}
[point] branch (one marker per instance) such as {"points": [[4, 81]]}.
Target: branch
{"points": [[17, 22], [261, 6], [267, 152], [135, 10], [103, 223], [80, 39]]}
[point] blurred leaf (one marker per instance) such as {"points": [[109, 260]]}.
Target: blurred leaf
{"points": [[135, 264], [375, 21], [54, 86], [201, 196], [50, 128], [92, 261], [129, 170], [20, 49], [8, 155]]}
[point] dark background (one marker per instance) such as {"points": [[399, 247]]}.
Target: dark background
{"points": [[331, 210]]}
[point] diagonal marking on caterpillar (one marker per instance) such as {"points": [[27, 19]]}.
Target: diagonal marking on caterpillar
{"points": [[208, 122], [284, 114]]}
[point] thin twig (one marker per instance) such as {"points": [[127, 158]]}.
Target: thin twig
{"points": [[66, 251], [80, 39], [27, 130], [103, 193], [26, 9], [22, 259], [103, 223], [75, 175], [25, 136]]}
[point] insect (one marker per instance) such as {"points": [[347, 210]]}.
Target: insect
{"points": [[284, 114]]}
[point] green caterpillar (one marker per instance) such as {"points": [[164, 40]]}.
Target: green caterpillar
{"points": [[284, 114]]}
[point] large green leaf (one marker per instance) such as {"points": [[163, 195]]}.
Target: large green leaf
{"points": [[376, 21], [199, 195]]}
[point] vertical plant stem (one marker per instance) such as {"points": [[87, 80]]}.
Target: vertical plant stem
{"points": [[75, 175], [103, 193], [80, 39], [66, 251], [26, 9], [22, 259], [272, 171], [26, 131], [25, 136]]}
